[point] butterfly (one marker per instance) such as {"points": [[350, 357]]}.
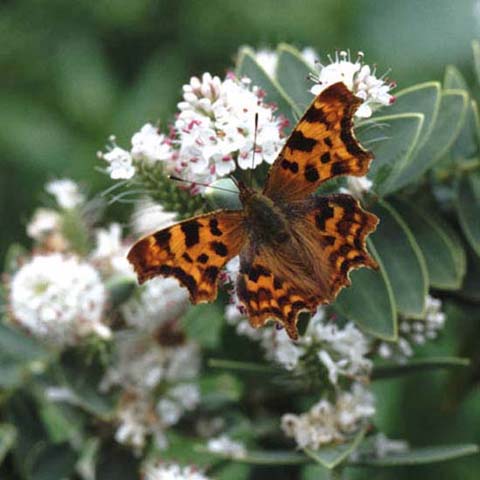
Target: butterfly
{"points": [[296, 248]]}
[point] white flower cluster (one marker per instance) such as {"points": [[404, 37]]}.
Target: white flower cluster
{"points": [[226, 446], [141, 365], [43, 222], [359, 78], [58, 298], [164, 471], [415, 332], [213, 134], [328, 422], [342, 351], [160, 300]]}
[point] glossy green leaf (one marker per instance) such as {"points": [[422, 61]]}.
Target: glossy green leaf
{"points": [[369, 301], [52, 462], [393, 139], [120, 288], [316, 472], [421, 456], [416, 365], [467, 145], [468, 208], [292, 74], [471, 281], [8, 435], [331, 456], [422, 98], [248, 66], [402, 259], [441, 252], [450, 118], [21, 346]]}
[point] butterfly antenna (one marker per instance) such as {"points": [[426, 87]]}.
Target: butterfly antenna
{"points": [[254, 148], [191, 182]]}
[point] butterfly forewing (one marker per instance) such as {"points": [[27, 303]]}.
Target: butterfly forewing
{"points": [[321, 146], [193, 251]]}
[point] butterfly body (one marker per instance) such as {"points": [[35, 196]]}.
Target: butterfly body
{"points": [[296, 248]]}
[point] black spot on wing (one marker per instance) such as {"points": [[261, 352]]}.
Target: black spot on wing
{"points": [[325, 158], [315, 115], [191, 231], [162, 237], [292, 166], [340, 168], [325, 212], [311, 173], [298, 141], [257, 271], [183, 277], [214, 230], [219, 248], [328, 142], [210, 274], [203, 258]]}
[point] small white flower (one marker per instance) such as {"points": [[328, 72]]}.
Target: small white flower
{"points": [[226, 446], [169, 411], [44, 221], [59, 299], [157, 302], [164, 471], [66, 193], [357, 186], [120, 163], [150, 145], [328, 422], [358, 78], [268, 60], [110, 252], [186, 394], [415, 332]]}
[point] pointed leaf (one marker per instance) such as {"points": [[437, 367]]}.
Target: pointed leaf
{"points": [[471, 281], [8, 435], [476, 58], [369, 301], [442, 255], [402, 259], [421, 98], [468, 208], [261, 457], [203, 323], [450, 118], [248, 66], [420, 456], [393, 145], [416, 365], [292, 75], [454, 79], [53, 462], [331, 456]]}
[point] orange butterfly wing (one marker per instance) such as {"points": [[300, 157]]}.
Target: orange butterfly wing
{"points": [[328, 240], [192, 251], [321, 146]]}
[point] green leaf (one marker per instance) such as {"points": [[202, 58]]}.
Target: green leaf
{"points": [[316, 472], [204, 323], [14, 256], [331, 456], [292, 75], [261, 457], [393, 146], [52, 462], [369, 301], [416, 365], [8, 435], [402, 259], [223, 193], [466, 145], [20, 346], [468, 208], [476, 58], [82, 376], [120, 288], [420, 456], [450, 118], [471, 280], [453, 79], [422, 98], [441, 252], [248, 66], [116, 462], [218, 389], [234, 365]]}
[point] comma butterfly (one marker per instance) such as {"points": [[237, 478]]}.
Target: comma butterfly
{"points": [[296, 248]]}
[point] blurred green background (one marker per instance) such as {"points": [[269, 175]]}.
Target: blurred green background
{"points": [[72, 73]]}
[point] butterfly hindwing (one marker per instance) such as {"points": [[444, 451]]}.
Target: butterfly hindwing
{"points": [[334, 229], [193, 251], [321, 146]]}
